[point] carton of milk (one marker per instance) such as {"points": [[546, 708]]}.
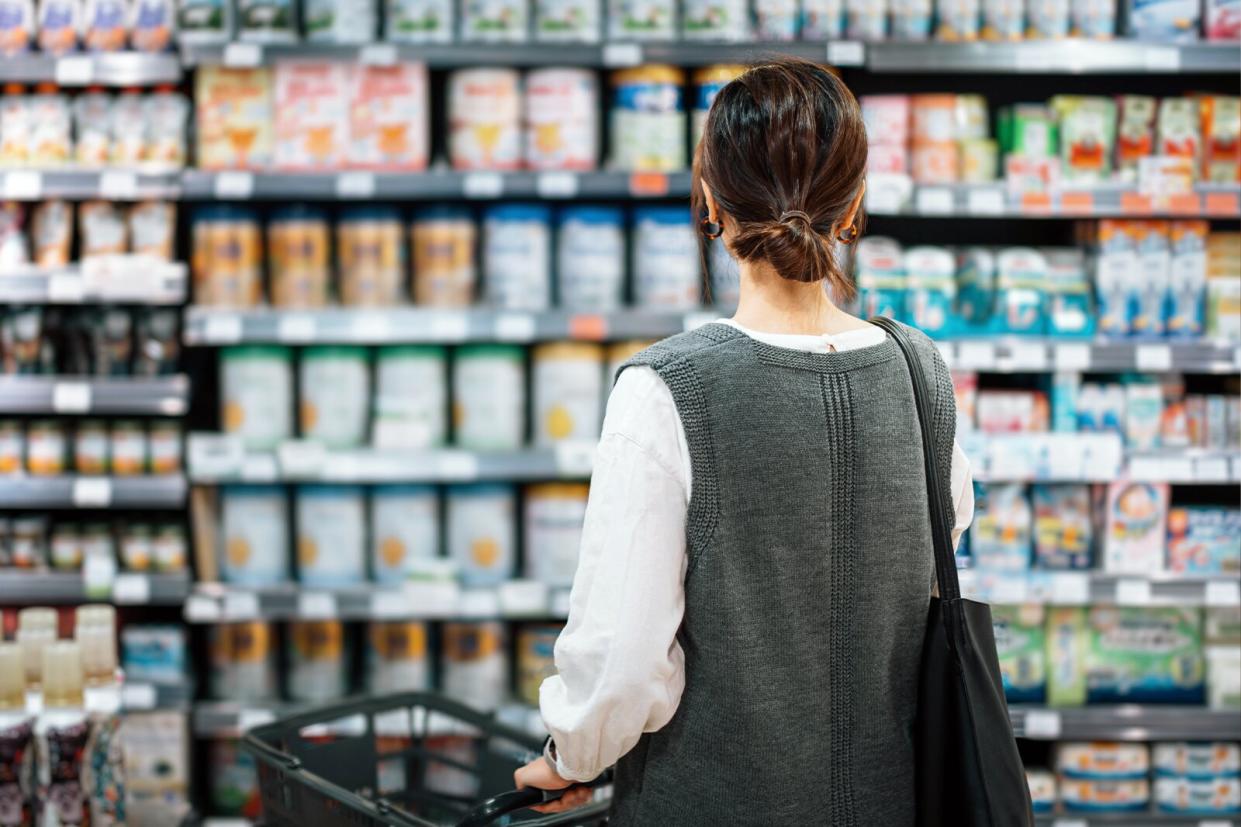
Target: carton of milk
{"points": [[1116, 268]]}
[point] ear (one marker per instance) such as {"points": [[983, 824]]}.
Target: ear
{"points": [[713, 212], [850, 216]]}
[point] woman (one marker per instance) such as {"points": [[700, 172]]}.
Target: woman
{"points": [[748, 613]]}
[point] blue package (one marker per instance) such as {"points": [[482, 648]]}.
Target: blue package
{"points": [[1021, 279], [1116, 266], [1001, 536], [881, 278], [154, 654], [1187, 279], [975, 286], [1069, 311], [1063, 526], [1149, 295], [931, 288]]}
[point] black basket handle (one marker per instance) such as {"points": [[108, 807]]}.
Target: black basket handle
{"points": [[515, 800]]}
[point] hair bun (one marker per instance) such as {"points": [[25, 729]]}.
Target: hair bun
{"points": [[788, 216]]}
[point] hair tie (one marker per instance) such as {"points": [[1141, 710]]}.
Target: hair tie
{"points": [[787, 214]]}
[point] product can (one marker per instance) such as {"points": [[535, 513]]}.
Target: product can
{"points": [[340, 21], [317, 661], [267, 21], [256, 535], [727, 20], [484, 119], [495, 21], [648, 119], [297, 255], [561, 21], [45, 447], [169, 549], [445, 268], [554, 516], [517, 257], [397, 658], [536, 661], [90, 447], [482, 533], [561, 124], [137, 547], [489, 397], [618, 354], [420, 21], [226, 261], [370, 255], [822, 19], [568, 392], [405, 528], [411, 397], [776, 20], [128, 447], [666, 263], [642, 19], [590, 258], [911, 19], [331, 535], [165, 447], [12, 446], [66, 548], [979, 160], [475, 664], [335, 395], [29, 543], [708, 81], [243, 662], [257, 394], [866, 19]]}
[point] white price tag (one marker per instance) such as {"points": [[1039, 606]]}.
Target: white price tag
{"points": [[482, 603], [575, 459], [1070, 822], [1153, 357], [447, 326], [131, 589], [389, 604], [887, 194], [934, 200], [1222, 593], [1043, 724], [515, 327], [316, 606], [92, 492], [434, 599], [250, 718], [118, 184], [559, 604], [456, 466], [71, 397], [985, 201], [98, 572], [296, 329], [201, 609], [65, 288], [1024, 356], [234, 184], [301, 458], [846, 53], [1216, 822], [377, 54], [1145, 469], [75, 70], [482, 185], [259, 468], [241, 606], [947, 352], [222, 329], [523, 598], [1176, 469], [1162, 58], [23, 185], [557, 185], [243, 55], [1133, 592], [622, 54], [355, 185], [1010, 590], [1211, 469], [975, 356], [1070, 589], [370, 327], [138, 696], [215, 455], [1072, 357]]}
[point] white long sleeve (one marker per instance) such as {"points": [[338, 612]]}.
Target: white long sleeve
{"points": [[621, 669]]}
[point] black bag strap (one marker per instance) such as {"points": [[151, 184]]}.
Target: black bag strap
{"points": [[941, 528]]}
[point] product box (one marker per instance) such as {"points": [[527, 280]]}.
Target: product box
{"points": [[1065, 390], [1103, 760], [156, 748], [930, 290], [1135, 133], [1179, 128], [1200, 796], [1149, 294], [880, 269], [1063, 527], [1187, 276], [1021, 279], [1224, 676], [976, 286], [154, 654], [234, 117], [1223, 19], [1042, 786], [1221, 137], [1094, 18], [1022, 649], [312, 115], [1135, 526], [1079, 795], [1204, 540], [1027, 129], [1197, 759], [389, 117], [1116, 273], [1166, 21], [1109, 655], [1012, 411], [1069, 310], [1001, 535], [965, 389], [1143, 415], [1087, 136]]}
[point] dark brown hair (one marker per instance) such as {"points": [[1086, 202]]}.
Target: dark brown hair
{"points": [[784, 153]]}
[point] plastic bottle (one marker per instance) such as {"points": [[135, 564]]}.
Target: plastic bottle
{"points": [[36, 628], [16, 735], [61, 734], [16, 26]]}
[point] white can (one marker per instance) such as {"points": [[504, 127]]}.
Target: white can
{"points": [[562, 130], [590, 258], [420, 21], [484, 119], [128, 447], [411, 397], [648, 119], [331, 535], [560, 21], [396, 658], [665, 259], [482, 533], [243, 662], [642, 19], [489, 397], [340, 21], [554, 515], [476, 664], [257, 394], [255, 535], [822, 19], [317, 659], [495, 21], [405, 527], [164, 441], [517, 257], [568, 392], [715, 20], [335, 395]]}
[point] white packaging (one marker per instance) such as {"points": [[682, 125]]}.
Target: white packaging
{"points": [[1148, 286], [1198, 759], [484, 119], [958, 19], [420, 21], [316, 658], [331, 535], [1198, 795], [1223, 676], [590, 258], [1165, 21], [396, 659], [340, 21], [411, 397], [476, 666], [17, 26], [1003, 19], [559, 21], [389, 117], [335, 395], [204, 21], [911, 19], [1094, 18], [482, 533], [257, 394], [489, 397], [495, 21], [866, 19], [554, 515], [726, 20], [1048, 19], [517, 257], [58, 25], [568, 392], [642, 19], [666, 264], [255, 535], [405, 528], [562, 131], [776, 20], [648, 119], [267, 21]]}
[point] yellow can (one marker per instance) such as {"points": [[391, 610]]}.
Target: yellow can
{"points": [[568, 392], [535, 659]]}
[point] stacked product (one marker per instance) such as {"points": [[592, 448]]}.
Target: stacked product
{"points": [[27, 542], [97, 342], [125, 447], [62, 27], [44, 236]]}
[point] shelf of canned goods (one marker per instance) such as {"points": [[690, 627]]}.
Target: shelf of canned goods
{"points": [[159, 491], [1126, 723], [1021, 355], [1086, 588], [120, 280], [154, 396], [128, 588], [112, 184], [107, 69]]}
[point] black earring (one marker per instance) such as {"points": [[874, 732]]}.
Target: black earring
{"points": [[711, 229]]}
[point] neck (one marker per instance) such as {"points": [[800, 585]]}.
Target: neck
{"points": [[772, 304]]}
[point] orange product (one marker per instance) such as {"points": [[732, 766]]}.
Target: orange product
{"points": [[1221, 138], [370, 255], [226, 263], [297, 252], [934, 118], [312, 115], [389, 118], [934, 163], [234, 117]]}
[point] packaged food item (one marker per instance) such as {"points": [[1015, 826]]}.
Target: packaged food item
{"points": [[866, 19], [1107, 655], [1103, 760], [822, 19], [590, 258], [1199, 795], [1165, 21], [1115, 266], [420, 21], [476, 669], [559, 21], [164, 447], [227, 257], [12, 447], [129, 136], [978, 160], [489, 397], [715, 20], [1203, 540], [1042, 785], [255, 535], [776, 20], [1135, 133], [554, 516], [50, 124], [1048, 19], [929, 273], [1000, 537], [495, 21], [166, 113], [535, 659], [880, 273], [1021, 648], [1063, 526], [1087, 136], [234, 780], [51, 233], [1093, 18], [17, 26], [65, 548], [257, 394], [58, 24], [154, 653], [405, 528], [297, 256], [331, 532], [397, 658], [340, 21], [151, 25], [45, 447], [648, 119], [137, 546], [234, 117], [1136, 520], [517, 257], [152, 227], [36, 628], [911, 19], [169, 548], [1003, 19], [312, 115], [204, 21], [335, 392], [1070, 311], [61, 734], [1221, 136], [1021, 281], [1143, 412], [484, 119], [91, 447], [445, 271], [561, 123], [267, 21], [1179, 128], [389, 117], [370, 255], [708, 81], [666, 267], [317, 659], [15, 127], [92, 115], [411, 397], [482, 533], [959, 20], [103, 25], [642, 19], [1198, 760], [242, 661]]}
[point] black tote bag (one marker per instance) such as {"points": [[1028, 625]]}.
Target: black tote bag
{"points": [[969, 773]]}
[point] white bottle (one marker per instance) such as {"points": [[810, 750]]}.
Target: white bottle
{"points": [[17, 26], [62, 729]]}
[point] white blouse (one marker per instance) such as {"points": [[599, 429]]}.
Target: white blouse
{"points": [[621, 669]]}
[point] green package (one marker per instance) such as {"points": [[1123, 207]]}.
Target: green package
{"points": [[1087, 136], [1021, 645], [1027, 129]]}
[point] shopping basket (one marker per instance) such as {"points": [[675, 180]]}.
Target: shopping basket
{"points": [[407, 760]]}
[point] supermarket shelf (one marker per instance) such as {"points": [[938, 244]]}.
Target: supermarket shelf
{"points": [[1126, 723], [139, 696], [1071, 56], [1031, 355], [124, 588], [1150, 818], [115, 69], [222, 719], [119, 279], [156, 396], [110, 184], [70, 491], [1094, 588]]}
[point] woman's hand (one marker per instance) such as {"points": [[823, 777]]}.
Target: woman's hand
{"points": [[539, 774]]}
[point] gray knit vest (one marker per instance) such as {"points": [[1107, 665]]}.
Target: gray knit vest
{"points": [[807, 587]]}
